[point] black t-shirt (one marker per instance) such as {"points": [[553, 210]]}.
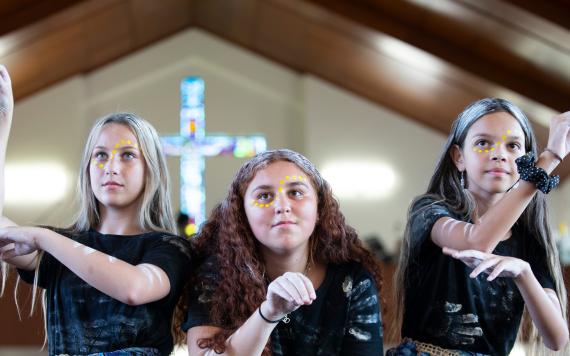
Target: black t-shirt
{"points": [[83, 320], [445, 307], [343, 320]]}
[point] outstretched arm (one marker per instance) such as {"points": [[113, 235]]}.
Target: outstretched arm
{"points": [[542, 303], [133, 285], [284, 295], [495, 224]]}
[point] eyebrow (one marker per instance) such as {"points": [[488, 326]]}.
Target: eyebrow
{"points": [[510, 137], [113, 148], [288, 184]]}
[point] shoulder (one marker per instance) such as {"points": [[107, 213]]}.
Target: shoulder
{"points": [[168, 240], [429, 203]]}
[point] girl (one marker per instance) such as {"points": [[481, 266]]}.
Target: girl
{"points": [[284, 274], [477, 247], [113, 278]]}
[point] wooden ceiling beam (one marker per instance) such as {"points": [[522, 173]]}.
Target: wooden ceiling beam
{"points": [[16, 14], [302, 35], [556, 11]]}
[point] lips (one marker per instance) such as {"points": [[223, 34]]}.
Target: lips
{"points": [[497, 171], [283, 223], [112, 184]]}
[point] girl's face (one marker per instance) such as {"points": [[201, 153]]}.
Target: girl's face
{"points": [[281, 207], [488, 156], [117, 167]]}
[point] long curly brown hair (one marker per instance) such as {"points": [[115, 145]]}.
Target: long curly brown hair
{"points": [[228, 236]]}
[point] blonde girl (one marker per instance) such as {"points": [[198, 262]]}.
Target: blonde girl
{"points": [[113, 278]]}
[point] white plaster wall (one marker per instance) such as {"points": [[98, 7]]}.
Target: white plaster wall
{"points": [[342, 126]]}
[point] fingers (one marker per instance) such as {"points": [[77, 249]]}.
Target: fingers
{"points": [[483, 266], [309, 286], [294, 288], [449, 251], [7, 254], [4, 74], [499, 268]]}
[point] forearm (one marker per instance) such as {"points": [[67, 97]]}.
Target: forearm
{"points": [[4, 133], [500, 218], [494, 225], [129, 284], [248, 339], [544, 311]]}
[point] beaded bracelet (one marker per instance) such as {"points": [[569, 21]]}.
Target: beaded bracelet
{"points": [[531, 173]]}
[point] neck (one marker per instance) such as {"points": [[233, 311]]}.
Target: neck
{"points": [[486, 200], [294, 261], [119, 221]]}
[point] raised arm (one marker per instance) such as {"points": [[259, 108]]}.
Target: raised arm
{"points": [[133, 285], [6, 112], [284, 295], [495, 224]]}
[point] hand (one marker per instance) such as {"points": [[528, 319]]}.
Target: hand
{"points": [[559, 136], [18, 241], [286, 294], [6, 97], [493, 265]]}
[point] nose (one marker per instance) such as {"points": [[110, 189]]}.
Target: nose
{"points": [[112, 166], [282, 204], [498, 153]]}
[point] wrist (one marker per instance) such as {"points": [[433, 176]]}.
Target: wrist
{"points": [[40, 236], [547, 161], [269, 313], [525, 273]]}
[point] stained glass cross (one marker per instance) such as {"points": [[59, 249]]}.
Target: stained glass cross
{"points": [[193, 146]]}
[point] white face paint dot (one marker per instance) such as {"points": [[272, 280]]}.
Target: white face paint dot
{"points": [[112, 259], [88, 250]]}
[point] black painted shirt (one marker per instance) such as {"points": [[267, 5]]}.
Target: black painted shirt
{"points": [[344, 320], [82, 320], [445, 307]]}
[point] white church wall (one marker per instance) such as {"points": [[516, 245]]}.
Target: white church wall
{"points": [[344, 127]]}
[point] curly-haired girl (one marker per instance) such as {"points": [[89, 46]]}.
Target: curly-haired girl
{"points": [[283, 273]]}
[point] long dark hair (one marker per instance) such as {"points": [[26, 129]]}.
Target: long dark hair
{"points": [[445, 186], [227, 235]]}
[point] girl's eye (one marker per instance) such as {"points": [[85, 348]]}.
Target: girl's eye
{"points": [[100, 155], [515, 146], [128, 155], [481, 143], [296, 193], [264, 196]]}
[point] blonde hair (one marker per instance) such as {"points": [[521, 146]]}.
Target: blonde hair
{"points": [[156, 211]]}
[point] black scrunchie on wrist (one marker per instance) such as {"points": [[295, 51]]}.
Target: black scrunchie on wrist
{"points": [[531, 173]]}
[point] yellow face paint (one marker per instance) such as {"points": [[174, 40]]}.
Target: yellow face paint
{"points": [[114, 152], [279, 189], [492, 148]]}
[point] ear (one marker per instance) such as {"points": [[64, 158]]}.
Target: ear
{"points": [[457, 157]]}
